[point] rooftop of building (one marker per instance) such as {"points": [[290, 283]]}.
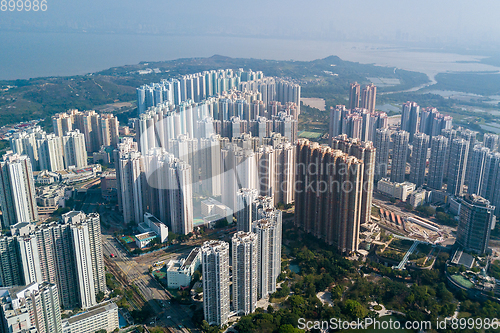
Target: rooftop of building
{"points": [[101, 308], [153, 219], [462, 258], [192, 255], [146, 235]]}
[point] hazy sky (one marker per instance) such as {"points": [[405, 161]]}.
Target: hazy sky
{"points": [[439, 21]]}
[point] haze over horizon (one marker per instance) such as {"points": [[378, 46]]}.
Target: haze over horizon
{"points": [[443, 24]]}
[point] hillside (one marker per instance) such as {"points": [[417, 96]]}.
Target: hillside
{"points": [[113, 90]]}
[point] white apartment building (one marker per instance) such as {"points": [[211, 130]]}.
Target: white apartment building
{"points": [[215, 266], [245, 268], [17, 190], [75, 153]]}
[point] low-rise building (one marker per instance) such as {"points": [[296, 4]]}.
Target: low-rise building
{"points": [[45, 177], [211, 207], [399, 191], [180, 272], [143, 240], [50, 198], [73, 175], [419, 197], [155, 225], [151, 226], [101, 157], [101, 317]]}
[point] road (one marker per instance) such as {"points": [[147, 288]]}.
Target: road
{"points": [[136, 271]]}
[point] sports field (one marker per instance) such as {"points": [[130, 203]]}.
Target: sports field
{"points": [[128, 239], [160, 273], [462, 281], [310, 135]]}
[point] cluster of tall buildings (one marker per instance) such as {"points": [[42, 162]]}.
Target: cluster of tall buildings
{"points": [[255, 263], [201, 86], [334, 188], [98, 129], [425, 150], [49, 266], [208, 134], [67, 253], [367, 96], [427, 120], [31, 308], [229, 115], [439, 156], [359, 123], [46, 267], [49, 151]]}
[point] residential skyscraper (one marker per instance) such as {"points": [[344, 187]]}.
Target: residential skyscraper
{"points": [[450, 134], [474, 226], [419, 158], [239, 170], [244, 212], [11, 273], [459, 152], [369, 97], [366, 152], [491, 181], [215, 272], [17, 190], [399, 156], [491, 141], [410, 118], [131, 170], [29, 258], [75, 153], [109, 130], [25, 143], [329, 194], [268, 231], [93, 223], [63, 122], [354, 95], [50, 153], [439, 147], [471, 137], [209, 157], [382, 144], [126, 146], [477, 169], [336, 118], [245, 272], [181, 198]]}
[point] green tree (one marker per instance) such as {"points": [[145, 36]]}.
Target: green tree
{"points": [[353, 309], [287, 328], [100, 296]]}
